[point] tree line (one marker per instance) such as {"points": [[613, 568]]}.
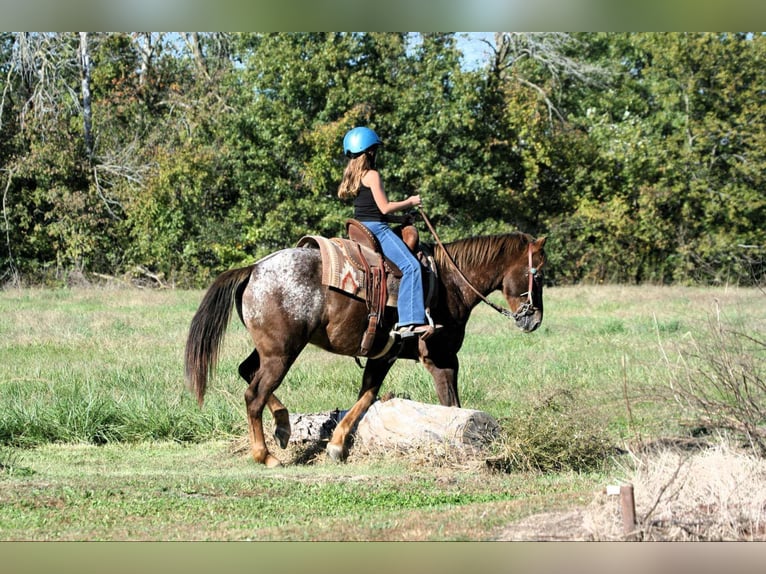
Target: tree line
{"points": [[176, 156]]}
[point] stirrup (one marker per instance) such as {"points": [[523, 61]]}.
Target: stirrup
{"points": [[423, 331]]}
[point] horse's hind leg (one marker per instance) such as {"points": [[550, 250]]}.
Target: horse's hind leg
{"points": [[374, 372], [258, 394], [247, 370]]}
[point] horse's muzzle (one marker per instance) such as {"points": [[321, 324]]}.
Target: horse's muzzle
{"points": [[528, 318]]}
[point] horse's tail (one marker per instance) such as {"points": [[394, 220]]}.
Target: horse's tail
{"points": [[208, 328]]}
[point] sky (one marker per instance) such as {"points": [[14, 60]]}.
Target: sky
{"points": [[474, 47]]}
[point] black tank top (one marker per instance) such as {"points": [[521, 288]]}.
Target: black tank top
{"points": [[365, 208]]}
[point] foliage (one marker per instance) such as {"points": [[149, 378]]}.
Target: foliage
{"points": [[640, 154], [672, 195]]}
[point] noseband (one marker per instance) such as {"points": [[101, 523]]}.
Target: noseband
{"points": [[525, 309], [528, 307]]}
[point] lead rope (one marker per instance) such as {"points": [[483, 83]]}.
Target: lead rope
{"points": [[501, 310]]}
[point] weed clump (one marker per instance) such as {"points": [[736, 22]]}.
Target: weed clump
{"points": [[553, 436], [10, 464]]}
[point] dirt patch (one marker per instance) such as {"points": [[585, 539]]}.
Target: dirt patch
{"points": [[548, 526]]}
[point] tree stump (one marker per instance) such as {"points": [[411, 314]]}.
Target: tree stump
{"points": [[404, 425]]}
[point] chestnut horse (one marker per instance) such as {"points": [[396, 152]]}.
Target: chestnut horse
{"points": [[284, 306]]}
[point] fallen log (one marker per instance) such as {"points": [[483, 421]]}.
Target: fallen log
{"points": [[404, 425]]}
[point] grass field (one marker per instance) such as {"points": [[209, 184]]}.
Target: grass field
{"points": [[99, 438]]}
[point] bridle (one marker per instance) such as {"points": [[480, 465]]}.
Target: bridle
{"points": [[525, 309], [528, 307]]}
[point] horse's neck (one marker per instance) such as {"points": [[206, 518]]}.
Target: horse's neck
{"points": [[484, 277]]}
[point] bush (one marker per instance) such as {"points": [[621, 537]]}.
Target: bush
{"points": [[720, 383], [553, 436]]}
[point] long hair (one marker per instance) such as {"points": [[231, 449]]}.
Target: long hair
{"points": [[355, 170]]}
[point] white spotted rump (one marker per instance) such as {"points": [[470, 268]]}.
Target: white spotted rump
{"points": [[282, 280]]}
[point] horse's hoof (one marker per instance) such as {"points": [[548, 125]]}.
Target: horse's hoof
{"points": [[282, 436], [266, 458], [272, 462], [336, 453]]}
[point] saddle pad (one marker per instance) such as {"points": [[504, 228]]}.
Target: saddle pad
{"points": [[342, 269]]}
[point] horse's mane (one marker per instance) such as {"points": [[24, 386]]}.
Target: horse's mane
{"points": [[487, 249]]}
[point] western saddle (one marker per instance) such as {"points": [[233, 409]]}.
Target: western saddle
{"points": [[358, 267]]}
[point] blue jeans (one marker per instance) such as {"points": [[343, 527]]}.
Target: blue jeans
{"points": [[410, 302]]}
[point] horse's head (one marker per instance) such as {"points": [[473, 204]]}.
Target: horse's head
{"points": [[523, 287]]}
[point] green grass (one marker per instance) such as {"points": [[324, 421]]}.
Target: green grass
{"points": [[97, 366], [99, 438], [167, 491]]}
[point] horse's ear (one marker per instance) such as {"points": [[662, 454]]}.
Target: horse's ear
{"points": [[539, 243]]}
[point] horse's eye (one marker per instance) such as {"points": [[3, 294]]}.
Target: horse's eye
{"points": [[533, 270]]}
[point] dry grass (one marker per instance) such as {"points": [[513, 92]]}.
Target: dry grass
{"points": [[714, 494]]}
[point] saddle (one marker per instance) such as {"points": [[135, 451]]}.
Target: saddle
{"points": [[357, 267]]}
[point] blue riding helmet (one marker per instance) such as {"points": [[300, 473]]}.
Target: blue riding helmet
{"points": [[358, 140]]}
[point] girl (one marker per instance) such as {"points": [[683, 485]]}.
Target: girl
{"points": [[362, 182]]}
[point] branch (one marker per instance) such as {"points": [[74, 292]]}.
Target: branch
{"points": [[144, 271], [665, 486], [103, 197], [192, 40], [547, 50], [13, 270], [6, 87], [551, 108]]}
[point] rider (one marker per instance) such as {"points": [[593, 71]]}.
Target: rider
{"points": [[362, 182]]}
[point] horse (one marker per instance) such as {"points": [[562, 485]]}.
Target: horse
{"points": [[284, 306]]}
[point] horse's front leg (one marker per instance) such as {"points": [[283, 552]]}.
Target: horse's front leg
{"points": [[374, 372], [281, 416], [444, 367]]}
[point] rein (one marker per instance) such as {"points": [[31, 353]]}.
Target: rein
{"points": [[527, 308]]}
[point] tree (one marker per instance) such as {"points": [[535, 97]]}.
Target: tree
{"points": [[678, 136], [527, 125], [641, 155], [87, 113]]}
